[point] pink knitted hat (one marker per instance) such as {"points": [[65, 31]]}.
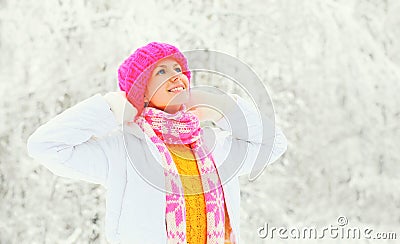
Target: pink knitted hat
{"points": [[135, 71]]}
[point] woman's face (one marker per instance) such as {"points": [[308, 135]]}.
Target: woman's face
{"points": [[167, 87]]}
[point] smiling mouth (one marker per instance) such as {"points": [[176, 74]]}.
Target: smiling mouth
{"points": [[176, 89]]}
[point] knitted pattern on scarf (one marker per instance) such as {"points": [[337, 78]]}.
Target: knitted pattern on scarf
{"points": [[184, 128]]}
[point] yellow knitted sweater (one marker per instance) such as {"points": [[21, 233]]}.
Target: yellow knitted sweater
{"points": [[196, 218]]}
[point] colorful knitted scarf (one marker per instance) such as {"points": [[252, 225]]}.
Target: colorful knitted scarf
{"points": [[183, 127]]}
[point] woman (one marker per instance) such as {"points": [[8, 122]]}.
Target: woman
{"points": [[163, 183]]}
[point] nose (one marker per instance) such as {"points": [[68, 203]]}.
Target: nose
{"points": [[175, 78]]}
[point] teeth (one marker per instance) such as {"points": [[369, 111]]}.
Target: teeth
{"points": [[177, 89]]}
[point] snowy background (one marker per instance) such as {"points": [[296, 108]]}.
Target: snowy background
{"points": [[332, 69]]}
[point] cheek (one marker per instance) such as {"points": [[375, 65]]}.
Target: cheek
{"points": [[154, 87], [160, 96], [186, 80]]}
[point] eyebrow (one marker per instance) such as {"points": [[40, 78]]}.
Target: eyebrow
{"points": [[165, 66]]}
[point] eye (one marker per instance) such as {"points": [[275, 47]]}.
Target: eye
{"points": [[160, 72], [178, 70]]}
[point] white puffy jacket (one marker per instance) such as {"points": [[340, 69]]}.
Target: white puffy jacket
{"points": [[85, 142]]}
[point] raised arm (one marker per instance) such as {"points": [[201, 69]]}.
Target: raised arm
{"points": [[71, 144], [244, 140]]}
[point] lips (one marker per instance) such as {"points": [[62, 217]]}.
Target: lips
{"points": [[177, 88]]}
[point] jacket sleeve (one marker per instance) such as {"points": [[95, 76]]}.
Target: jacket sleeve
{"points": [[243, 142], [71, 144]]}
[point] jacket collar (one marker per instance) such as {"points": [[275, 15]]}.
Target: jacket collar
{"points": [[134, 129]]}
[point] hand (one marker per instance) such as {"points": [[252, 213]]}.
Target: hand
{"points": [[123, 110], [206, 105], [205, 113]]}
